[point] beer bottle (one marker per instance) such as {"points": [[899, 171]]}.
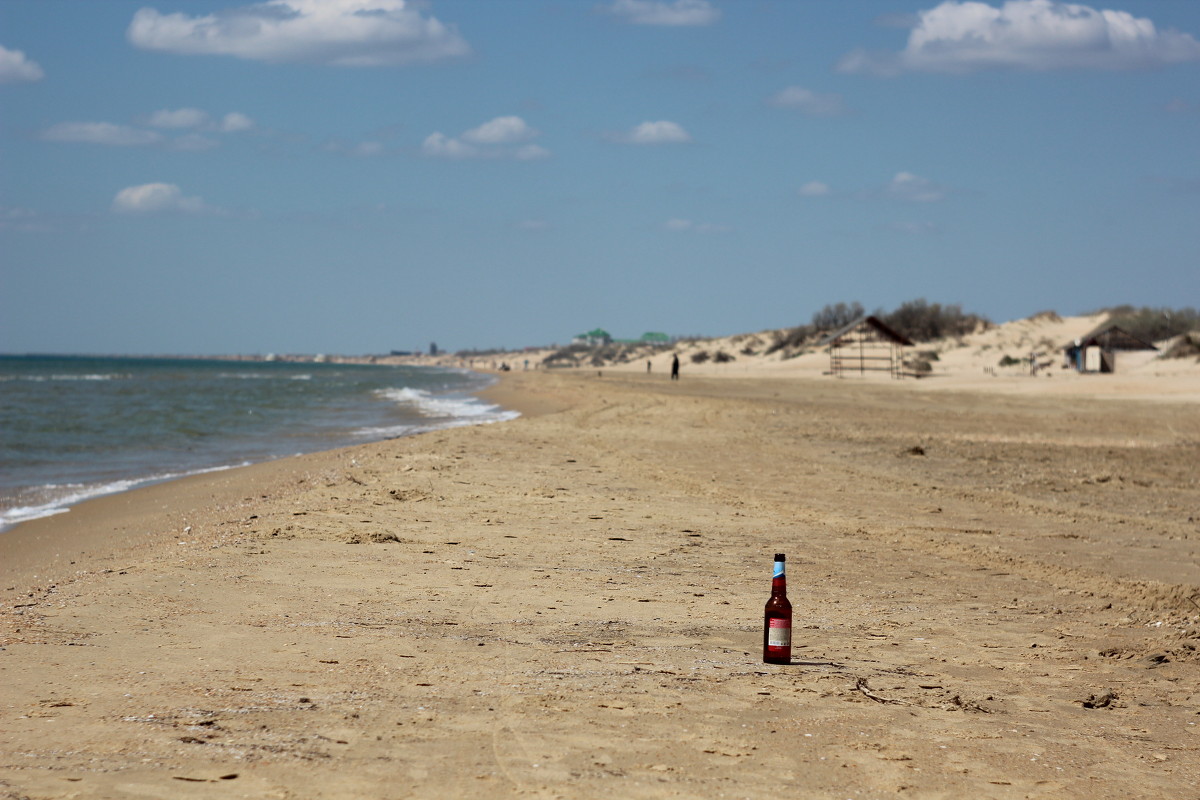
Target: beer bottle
{"points": [[777, 619]]}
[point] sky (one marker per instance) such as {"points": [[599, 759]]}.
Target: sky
{"points": [[360, 176]]}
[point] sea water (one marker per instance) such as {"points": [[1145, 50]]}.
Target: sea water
{"points": [[72, 428]]}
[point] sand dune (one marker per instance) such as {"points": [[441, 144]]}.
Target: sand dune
{"points": [[970, 362]]}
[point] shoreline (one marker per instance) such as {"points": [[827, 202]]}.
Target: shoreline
{"points": [[60, 493], [569, 604], [124, 508]]}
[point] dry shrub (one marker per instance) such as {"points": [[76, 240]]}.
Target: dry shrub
{"points": [[1154, 324], [922, 321], [1186, 346]]}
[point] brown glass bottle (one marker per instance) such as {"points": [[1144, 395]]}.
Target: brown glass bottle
{"points": [[777, 619]]}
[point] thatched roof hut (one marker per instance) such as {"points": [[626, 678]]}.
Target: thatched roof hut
{"points": [[866, 345], [1108, 339]]}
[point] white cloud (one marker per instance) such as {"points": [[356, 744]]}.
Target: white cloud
{"points": [[347, 33], [180, 118], [151, 198], [364, 149], [16, 67], [101, 133], [688, 226], [501, 130], [14, 218], [497, 138], [235, 122], [959, 37], [439, 145], [809, 102], [814, 189], [913, 189], [369, 149], [531, 152], [661, 132], [191, 121], [194, 118], [659, 12]]}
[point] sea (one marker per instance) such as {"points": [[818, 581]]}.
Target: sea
{"points": [[78, 427]]}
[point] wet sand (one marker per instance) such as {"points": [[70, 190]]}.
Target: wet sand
{"points": [[995, 596]]}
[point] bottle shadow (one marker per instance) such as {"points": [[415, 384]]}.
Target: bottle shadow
{"points": [[798, 662]]}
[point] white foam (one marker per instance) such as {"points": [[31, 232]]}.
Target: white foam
{"points": [[11, 516], [262, 376], [429, 405], [66, 495], [66, 377], [446, 411], [391, 431]]}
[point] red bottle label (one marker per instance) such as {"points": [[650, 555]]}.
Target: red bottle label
{"points": [[779, 633]]}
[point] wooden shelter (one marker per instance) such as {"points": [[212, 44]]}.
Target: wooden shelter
{"points": [[1108, 340], [866, 345]]}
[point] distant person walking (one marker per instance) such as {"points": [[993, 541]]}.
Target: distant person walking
{"points": [[675, 367]]}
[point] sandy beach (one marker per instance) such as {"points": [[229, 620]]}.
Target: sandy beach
{"points": [[996, 596]]}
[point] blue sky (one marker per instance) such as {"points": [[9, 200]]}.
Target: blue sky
{"points": [[356, 176]]}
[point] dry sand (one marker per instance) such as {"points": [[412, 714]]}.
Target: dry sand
{"points": [[995, 597]]}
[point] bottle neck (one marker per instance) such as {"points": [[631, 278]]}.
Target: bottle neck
{"points": [[778, 579]]}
